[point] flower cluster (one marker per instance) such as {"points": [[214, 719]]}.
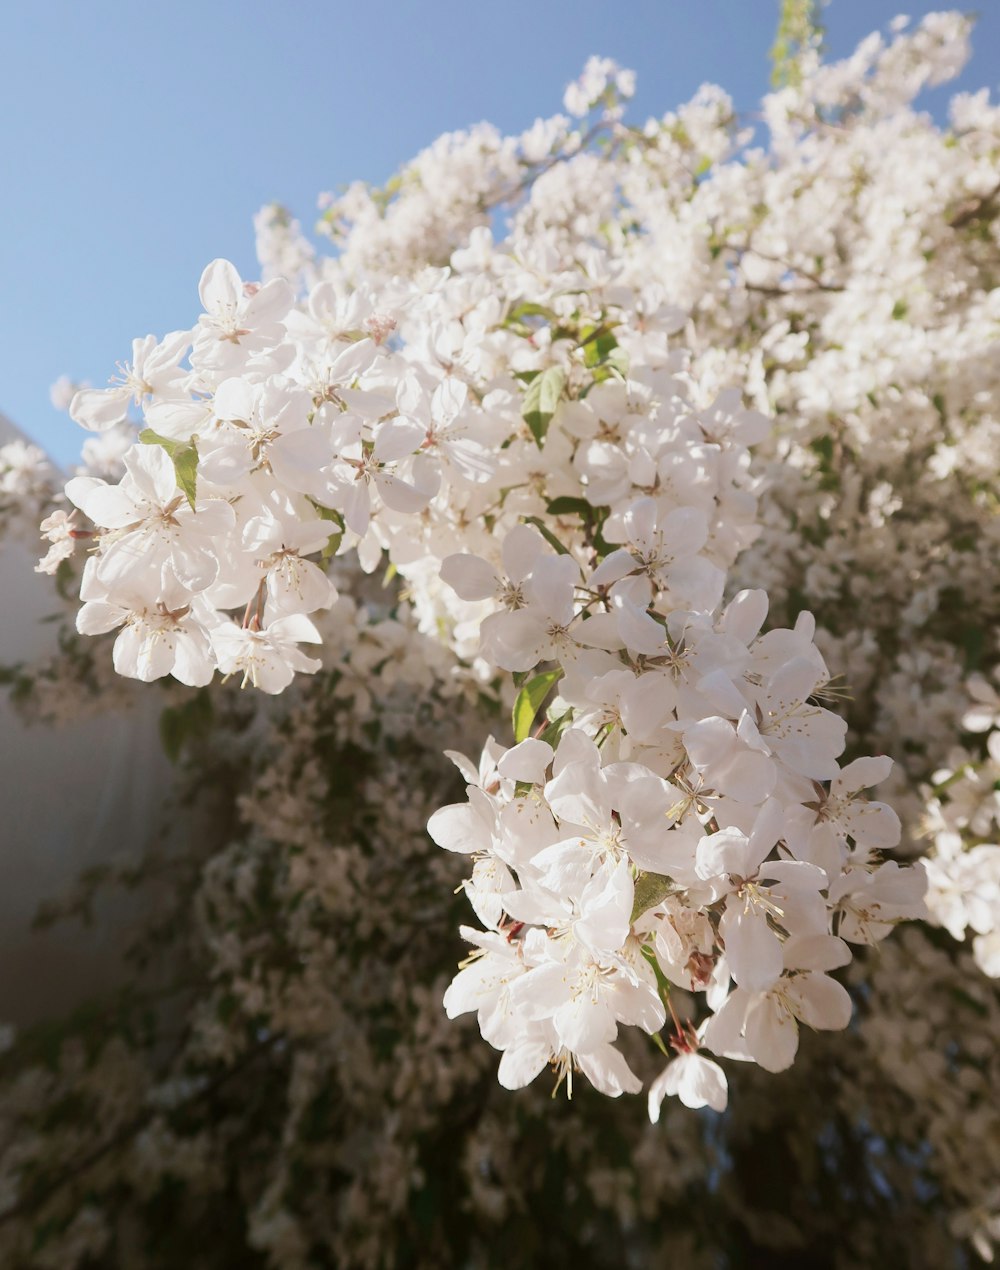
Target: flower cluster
{"points": [[549, 424], [676, 829]]}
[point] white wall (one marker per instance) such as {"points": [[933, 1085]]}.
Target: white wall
{"points": [[70, 797]]}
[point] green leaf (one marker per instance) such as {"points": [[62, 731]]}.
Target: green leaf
{"points": [[65, 580], [566, 506], [541, 399], [183, 455], [529, 701], [529, 309], [186, 722], [615, 365], [335, 539], [547, 534], [598, 343], [662, 982], [556, 728], [650, 889]]}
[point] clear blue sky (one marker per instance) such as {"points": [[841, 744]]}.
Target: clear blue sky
{"points": [[139, 138]]}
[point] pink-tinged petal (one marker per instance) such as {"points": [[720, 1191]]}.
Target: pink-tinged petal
{"points": [[220, 286], [152, 470], [355, 503], [659, 1090], [794, 875], [179, 419], [474, 986], [295, 628], [772, 1035], [354, 361], [234, 399], [544, 989], [470, 577], [639, 1005], [767, 828], [607, 907], [132, 564], [269, 304], [608, 1072], [639, 632], [710, 741], [613, 568], [214, 518], [725, 853], [696, 584], [872, 824], [99, 408], [699, 1082], [156, 654], [575, 747], [159, 359], [521, 548], [815, 952], [549, 590], [744, 615], [582, 1024], [820, 1002], [457, 827], [398, 438], [295, 585], [298, 458], [98, 617], [514, 641], [749, 734], [863, 773], [398, 495], [753, 950], [470, 459], [106, 505], [449, 398], [193, 662], [527, 761], [645, 703], [723, 694], [80, 489], [125, 654], [792, 684], [522, 1062], [578, 795], [749, 777], [685, 531], [723, 1033], [640, 524], [194, 566], [599, 631]]}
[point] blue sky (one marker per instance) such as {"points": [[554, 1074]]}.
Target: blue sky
{"points": [[138, 139]]}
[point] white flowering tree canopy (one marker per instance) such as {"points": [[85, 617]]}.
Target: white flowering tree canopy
{"points": [[657, 433]]}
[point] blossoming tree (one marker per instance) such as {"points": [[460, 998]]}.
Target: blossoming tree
{"points": [[599, 457]]}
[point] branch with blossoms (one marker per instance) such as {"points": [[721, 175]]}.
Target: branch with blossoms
{"points": [[671, 823]]}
